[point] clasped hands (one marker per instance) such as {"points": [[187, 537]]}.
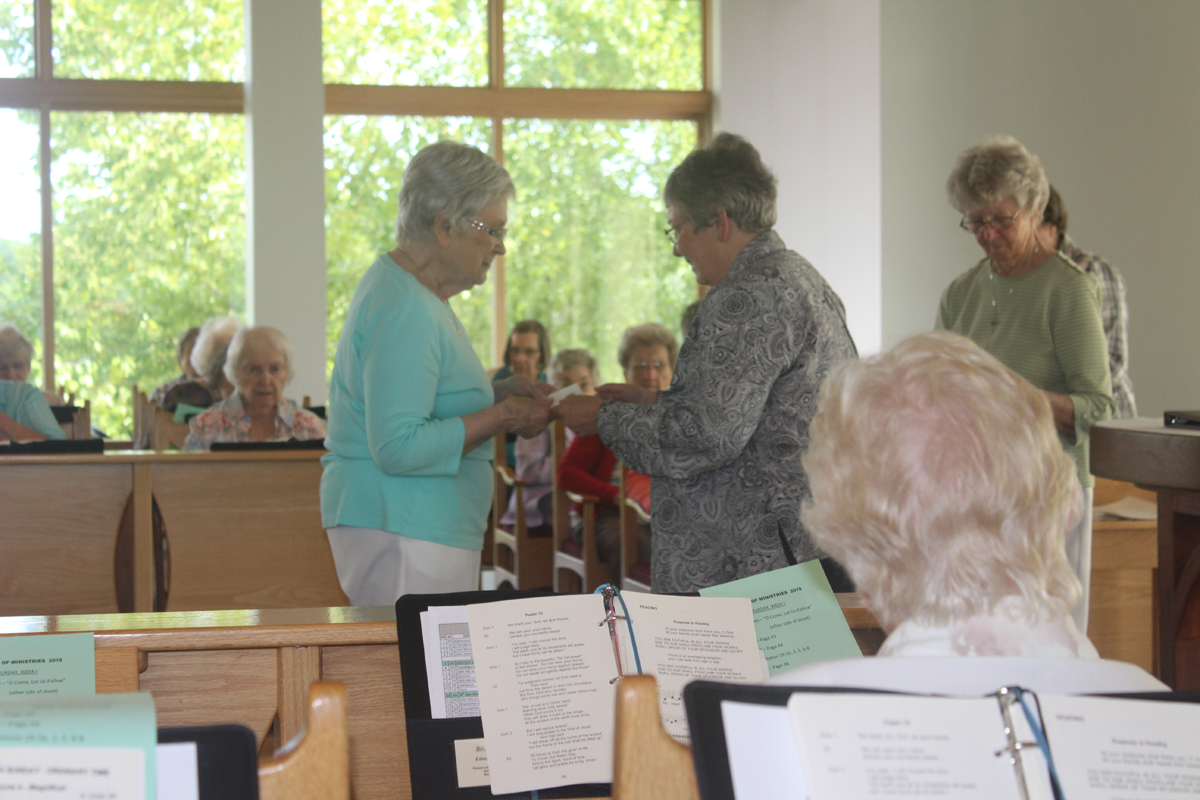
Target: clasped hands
{"points": [[530, 410]]}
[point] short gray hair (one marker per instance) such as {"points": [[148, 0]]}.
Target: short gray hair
{"points": [[275, 337], [448, 178], [996, 170], [939, 483], [566, 360], [13, 342], [215, 333], [648, 334], [728, 174]]}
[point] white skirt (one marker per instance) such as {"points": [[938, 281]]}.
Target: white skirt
{"points": [[376, 567]]}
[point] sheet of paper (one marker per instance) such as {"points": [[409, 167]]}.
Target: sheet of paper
{"points": [[74, 728], [894, 746], [176, 772], [545, 667], [682, 639], [796, 616], [1106, 749], [565, 393], [449, 664], [764, 759], [55, 664], [470, 760]]}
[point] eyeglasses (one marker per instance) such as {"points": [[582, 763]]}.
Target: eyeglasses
{"points": [[672, 233], [496, 233], [642, 366], [997, 224]]}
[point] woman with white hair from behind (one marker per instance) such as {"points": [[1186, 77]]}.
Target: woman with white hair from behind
{"points": [[259, 365], [938, 481]]}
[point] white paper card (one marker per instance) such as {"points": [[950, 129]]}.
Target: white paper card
{"points": [[564, 393], [470, 757], [111, 773], [177, 776], [764, 760]]}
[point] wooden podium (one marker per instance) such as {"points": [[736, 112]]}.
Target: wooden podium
{"points": [[1167, 461]]}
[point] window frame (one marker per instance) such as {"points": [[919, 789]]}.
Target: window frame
{"points": [[495, 101]]}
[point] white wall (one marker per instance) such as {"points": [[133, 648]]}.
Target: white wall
{"points": [[1107, 94], [285, 182], [800, 80]]}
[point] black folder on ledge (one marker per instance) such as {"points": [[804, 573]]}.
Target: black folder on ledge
{"points": [[431, 741]]}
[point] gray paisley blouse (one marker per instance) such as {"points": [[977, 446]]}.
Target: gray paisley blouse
{"points": [[723, 444]]}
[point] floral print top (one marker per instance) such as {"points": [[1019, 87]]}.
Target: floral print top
{"points": [[227, 421]]}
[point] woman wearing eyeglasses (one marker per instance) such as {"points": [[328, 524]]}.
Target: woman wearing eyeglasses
{"points": [[647, 354], [722, 446], [1031, 308], [407, 481]]}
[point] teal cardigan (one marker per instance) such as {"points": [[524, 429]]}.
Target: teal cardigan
{"points": [[403, 376], [25, 405]]}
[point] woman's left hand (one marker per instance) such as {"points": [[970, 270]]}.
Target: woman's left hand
{"points": [[578, 413], [518, 386]]}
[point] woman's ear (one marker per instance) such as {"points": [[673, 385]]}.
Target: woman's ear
{"points": [[443, 229]]}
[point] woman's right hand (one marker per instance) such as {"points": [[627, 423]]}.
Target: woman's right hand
{"points": [[526, 416]]}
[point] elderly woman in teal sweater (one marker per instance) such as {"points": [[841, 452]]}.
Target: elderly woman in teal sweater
{"points": [[25, 415], [1031, 308], [407, 481]]}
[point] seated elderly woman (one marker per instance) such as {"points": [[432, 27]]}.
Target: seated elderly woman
{"points": [[214, 336], [25, 415], [534, 459], [183, 357], [259, 365], [939, 482], [16, 358], [647, 353]]}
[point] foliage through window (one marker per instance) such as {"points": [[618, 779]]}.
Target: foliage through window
{"points": [[148, 208]]}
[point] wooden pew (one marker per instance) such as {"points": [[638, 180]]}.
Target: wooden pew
{"points": [[243, 530], [255, 668]]}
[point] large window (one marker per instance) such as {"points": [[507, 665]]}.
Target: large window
{"points": [[587, 104], [143, 231], [122, 144]]}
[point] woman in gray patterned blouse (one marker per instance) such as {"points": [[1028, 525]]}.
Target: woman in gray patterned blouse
{"points": [[722, 446]]}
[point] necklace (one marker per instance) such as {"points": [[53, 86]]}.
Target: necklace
{"points": [[1033, 256]]}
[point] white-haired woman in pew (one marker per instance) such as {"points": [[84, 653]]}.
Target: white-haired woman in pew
{"points": [[259, 365], [939, 482]]}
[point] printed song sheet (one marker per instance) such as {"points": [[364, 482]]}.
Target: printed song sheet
{"points": [[545, 668], [1105, 749], [682, 639], [888, 746], [449, 665]]}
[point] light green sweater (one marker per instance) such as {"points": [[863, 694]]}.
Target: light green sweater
{"points": [[1046, 327], [403, 377]]}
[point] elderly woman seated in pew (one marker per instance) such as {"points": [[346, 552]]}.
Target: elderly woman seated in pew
{"points": [[939, 482], [259, 365], [16, 359], [183, 357], [202, 391], [25, 415]]}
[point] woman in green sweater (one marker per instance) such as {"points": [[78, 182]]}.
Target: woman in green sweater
{"points": [[1031, 308]]}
